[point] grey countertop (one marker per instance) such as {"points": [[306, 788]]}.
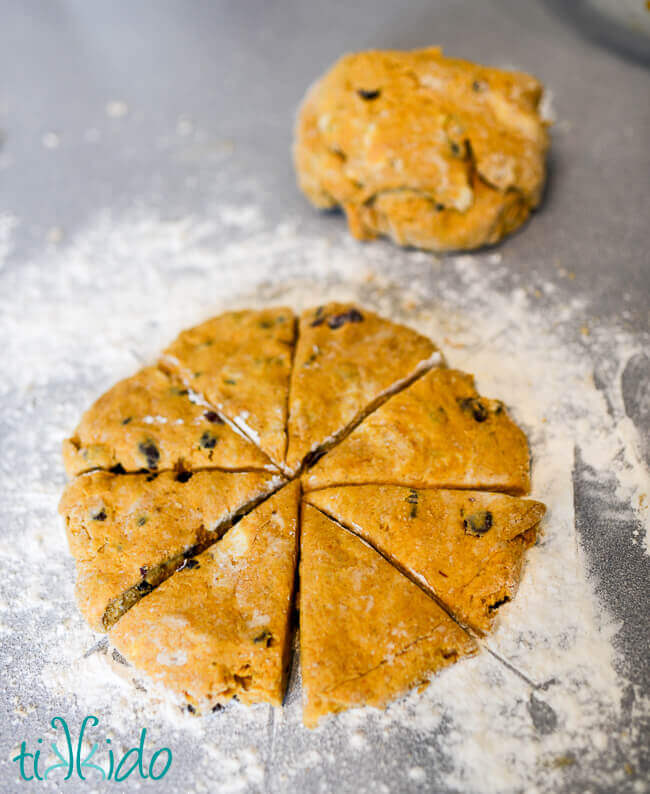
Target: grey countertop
{"points": [[237, 70], [240, 69]]}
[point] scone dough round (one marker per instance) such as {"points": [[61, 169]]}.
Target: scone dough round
{"points": [[259, 437], [433, 152]]}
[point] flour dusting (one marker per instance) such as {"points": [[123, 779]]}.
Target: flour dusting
{"points": [[8, 224], [536, 711]]}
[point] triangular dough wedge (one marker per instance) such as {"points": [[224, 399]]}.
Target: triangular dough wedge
{"points": [[129, 532], [367, 633], [437, 433], [347, 361], [148, 421], [220, 626], [464, 547], [240, 362]]}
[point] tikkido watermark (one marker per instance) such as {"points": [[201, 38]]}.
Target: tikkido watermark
{"points": [[78, 758]]}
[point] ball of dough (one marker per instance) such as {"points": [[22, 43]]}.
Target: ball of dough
{"points": [[434, 152]]}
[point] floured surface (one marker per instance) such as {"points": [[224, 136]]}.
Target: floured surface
{"points": [[567, 712]]}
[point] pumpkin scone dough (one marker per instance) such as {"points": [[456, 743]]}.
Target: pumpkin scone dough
{"points": [[148, 421], [240, 362], [466, 548], [183, 526], [367, 633], [220, 626], [437, 433], [434, 152], [127, 533], [347, 360]]}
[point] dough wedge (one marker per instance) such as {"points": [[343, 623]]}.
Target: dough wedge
{"points": [[347, 361], [129, 532], [367, 633], [221, 626], [240, 362], [148, 421], [465, 548], [437, 433]]}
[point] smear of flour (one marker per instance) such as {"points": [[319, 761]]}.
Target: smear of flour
{"points": [[8, 224], [535, 711]]}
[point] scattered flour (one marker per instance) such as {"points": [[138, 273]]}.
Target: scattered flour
{"points": [[8, 224], [116, 109], [50, 140], [545, 704]]}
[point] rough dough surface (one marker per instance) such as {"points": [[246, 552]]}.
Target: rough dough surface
{"points": [[128, 532], [220, 626], [240, 362], [148, 421], [367, 633], [466, 548], [434, 152], [346, 359], [437, 433]]}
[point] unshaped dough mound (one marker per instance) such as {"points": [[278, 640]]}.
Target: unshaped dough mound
{"points": [[434, 152]]}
